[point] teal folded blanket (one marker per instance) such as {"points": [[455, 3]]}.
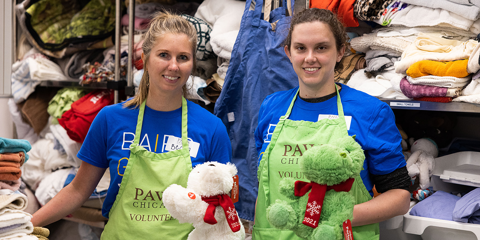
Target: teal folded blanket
{"points": [[14, 146]]}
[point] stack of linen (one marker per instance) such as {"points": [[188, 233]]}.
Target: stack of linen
{"points": [[13, 153], [439, 54], [436, 68], [14, 222]]}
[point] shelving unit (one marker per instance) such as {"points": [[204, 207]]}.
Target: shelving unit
{"points": [[116, 85], [69, 83]]}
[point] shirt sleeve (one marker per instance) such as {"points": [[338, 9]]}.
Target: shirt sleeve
{"points": [[221, 148], [94, 148], [398, 179], [260, 130], [383, 148]]}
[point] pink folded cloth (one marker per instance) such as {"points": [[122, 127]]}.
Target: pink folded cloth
{"points": [[13, 185], [417, 91], [139, 23]]}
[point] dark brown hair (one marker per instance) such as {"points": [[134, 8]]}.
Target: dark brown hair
{"points": [[319, 15]]}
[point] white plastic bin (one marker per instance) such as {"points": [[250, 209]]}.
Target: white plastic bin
{"points": [[458, 172], [460, 168], [436, 229]]}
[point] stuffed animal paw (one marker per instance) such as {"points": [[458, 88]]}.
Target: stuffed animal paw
{"points": [[205, 203], [318, 208]]}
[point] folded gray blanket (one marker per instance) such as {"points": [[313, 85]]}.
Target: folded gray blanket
{"points": [[379, 60]]}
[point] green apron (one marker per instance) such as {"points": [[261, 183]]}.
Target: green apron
{"points": [[281, 159], [138, 211]]}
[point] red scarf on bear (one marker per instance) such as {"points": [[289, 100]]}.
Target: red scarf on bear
{"points": [[316, 196], [226, 203]]}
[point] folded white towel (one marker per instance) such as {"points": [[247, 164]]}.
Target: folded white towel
{"points": [[20, 236], [25, 228], [386, 85], [10, 217], [415, 16], [12, 200], [448, 82], [467, 11], [372, 42]]}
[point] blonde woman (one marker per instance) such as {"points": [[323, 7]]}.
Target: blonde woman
{"points": [[148, 143]]}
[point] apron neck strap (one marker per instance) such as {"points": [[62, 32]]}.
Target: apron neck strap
{"points": [[341, 116], [141, 112]]}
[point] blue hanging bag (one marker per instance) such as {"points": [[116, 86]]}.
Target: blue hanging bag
{"points": [[258, 68]]}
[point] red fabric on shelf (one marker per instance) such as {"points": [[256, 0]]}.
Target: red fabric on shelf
{"points": [[435, 99], [78, 119]]}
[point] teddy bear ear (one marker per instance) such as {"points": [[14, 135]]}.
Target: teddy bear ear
{"points": [[232, 168]]}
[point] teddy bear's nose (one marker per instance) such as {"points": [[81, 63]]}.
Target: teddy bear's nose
{"points": [[211, 165]]}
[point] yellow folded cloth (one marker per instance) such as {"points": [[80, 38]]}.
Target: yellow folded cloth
{"points": [[442, 69], [40, 231]]}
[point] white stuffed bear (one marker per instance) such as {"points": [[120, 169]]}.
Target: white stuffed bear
{"points": [[205, 203], [421, 162]]}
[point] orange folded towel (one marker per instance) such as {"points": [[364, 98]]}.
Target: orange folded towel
{"points": [[10, 171], [9, 164], [13, 157], [442, 69]]}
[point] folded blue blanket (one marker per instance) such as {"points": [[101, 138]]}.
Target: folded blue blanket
{"points": [[467, 209], [439, 206], [14, 146]]}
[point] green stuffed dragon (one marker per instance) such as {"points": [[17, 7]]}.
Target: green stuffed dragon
{"points": [[320, 214]]}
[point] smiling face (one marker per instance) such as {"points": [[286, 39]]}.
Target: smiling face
{"points": [[313, 54], [169, 65]]}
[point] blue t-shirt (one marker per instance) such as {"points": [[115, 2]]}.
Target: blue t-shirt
{"points": [[113, 130], [371, 120]]}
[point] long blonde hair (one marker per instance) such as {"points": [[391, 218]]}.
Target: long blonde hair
{"points": [[163, 23]]}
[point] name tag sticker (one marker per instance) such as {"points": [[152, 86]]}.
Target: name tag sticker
{"points": [[175, 143], [348, 119], [404, 104]]}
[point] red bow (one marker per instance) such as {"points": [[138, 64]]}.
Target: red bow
{"points": [[226, 203], [316, 196]]}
